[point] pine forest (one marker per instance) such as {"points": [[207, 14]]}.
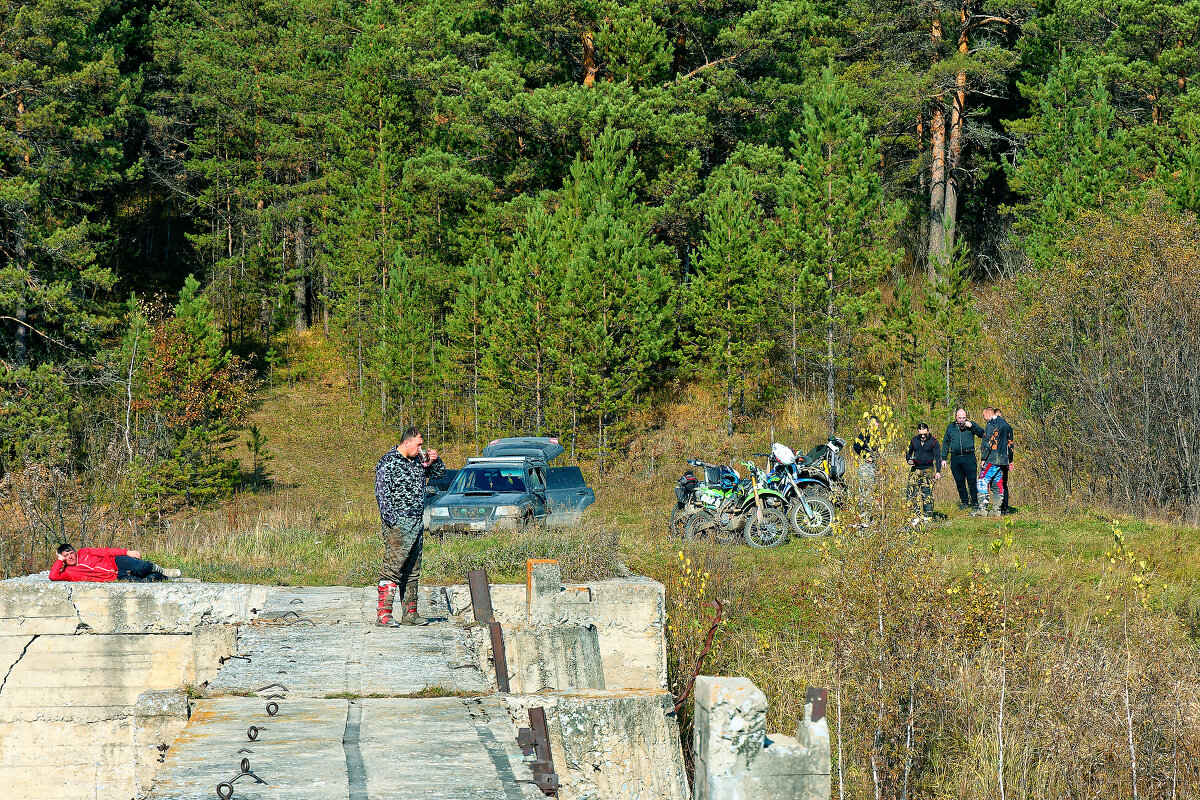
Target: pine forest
{"points": [[544, 216]]}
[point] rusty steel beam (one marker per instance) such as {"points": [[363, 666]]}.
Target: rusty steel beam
{"points": [[498, 656], [543, 765], [817, 697], [481, 596]]}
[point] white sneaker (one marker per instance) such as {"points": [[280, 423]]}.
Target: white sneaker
{"points": [[172, 573]]}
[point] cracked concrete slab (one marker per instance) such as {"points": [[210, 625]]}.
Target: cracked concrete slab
{"points": [[356, 659], [90, 678], [376, 749], [35, 605], [98, 645]]}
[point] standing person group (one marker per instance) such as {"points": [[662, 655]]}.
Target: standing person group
{"points": [[983, 486], [400, 481]]}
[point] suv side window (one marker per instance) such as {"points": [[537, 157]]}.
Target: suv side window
{"points": [[536, 479]]}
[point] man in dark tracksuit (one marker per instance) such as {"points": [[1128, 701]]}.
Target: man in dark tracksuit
{"points": [[958, 445], [1006, 467], [995, 453], [400, 480], [923, 456]]}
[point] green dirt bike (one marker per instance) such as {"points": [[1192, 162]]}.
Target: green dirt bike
{"points": [[750, 508]]}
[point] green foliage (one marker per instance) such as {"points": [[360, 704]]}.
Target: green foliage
{"points": [[536, 216], [843, 225], [190, 397], [1077, 157], [726, 300]]}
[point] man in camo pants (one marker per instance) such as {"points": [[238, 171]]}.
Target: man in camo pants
{"points": [[400, 480]]}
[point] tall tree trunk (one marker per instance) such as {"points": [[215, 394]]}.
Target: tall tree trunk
{"points": [[680, 53], [937, 194], [830, 365], [937, 174], [300, 292], [729, 403], [955, 146], [589, 59], [325, 301]]}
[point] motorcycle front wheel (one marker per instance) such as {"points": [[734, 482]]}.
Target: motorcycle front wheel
{"points": [[770, 529], [818, 521]]}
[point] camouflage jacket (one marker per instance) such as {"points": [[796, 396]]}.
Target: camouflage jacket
{"points": [[400, 485]]}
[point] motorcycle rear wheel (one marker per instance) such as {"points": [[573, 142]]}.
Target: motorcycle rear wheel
{"points": [[769, 530], [679, 521], [819, 523], [702, 524]]}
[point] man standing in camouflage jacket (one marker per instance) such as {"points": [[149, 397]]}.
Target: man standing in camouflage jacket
{"points": [[400, 480]]}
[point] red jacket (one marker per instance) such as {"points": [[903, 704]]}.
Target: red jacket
{"points": [[93, 564]]}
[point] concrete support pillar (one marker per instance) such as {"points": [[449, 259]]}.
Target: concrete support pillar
{"points": [[737, 760], [543, 582]]}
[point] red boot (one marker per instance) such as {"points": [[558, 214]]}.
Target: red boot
{"points": [[411, 617], [387, 592]]}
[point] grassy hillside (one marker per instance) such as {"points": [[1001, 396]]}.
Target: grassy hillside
{"points": [[319, 522]]}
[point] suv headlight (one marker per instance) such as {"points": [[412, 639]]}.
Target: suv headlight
{"points": [[508, 511], [439, 511]]}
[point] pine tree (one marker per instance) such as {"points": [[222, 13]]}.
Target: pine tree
{"points": [[524, 334], [844, 225], [618, 303], [1076, 157], [63, 108], [726, 300], [955, 323]]}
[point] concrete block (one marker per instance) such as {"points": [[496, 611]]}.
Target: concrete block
{"points": [[158, 717], [35, 605], [543, 582], [611, 745], [736, 760], [211, 643], [322, 660], [629, 615], [84, 679], [559, 657], [336, 749]]}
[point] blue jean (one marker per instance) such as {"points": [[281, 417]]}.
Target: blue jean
{"points": [[991, 476]]}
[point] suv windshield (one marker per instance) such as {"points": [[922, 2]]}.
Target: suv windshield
{"points": [[489, 479]]}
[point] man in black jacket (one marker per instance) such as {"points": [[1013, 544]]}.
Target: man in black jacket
{"points": [[958, 445], [995, 453], [923, 456]]}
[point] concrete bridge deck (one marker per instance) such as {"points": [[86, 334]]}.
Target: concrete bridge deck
{"points": [[117, 691], [376, 749]]}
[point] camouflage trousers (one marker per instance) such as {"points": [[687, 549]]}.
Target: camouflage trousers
{"points": [[402, 557], [920, 483]]}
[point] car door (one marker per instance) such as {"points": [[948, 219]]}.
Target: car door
{"points": [[536, 481], [567, 494]]}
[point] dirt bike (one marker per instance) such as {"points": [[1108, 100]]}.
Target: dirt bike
{"points": [[819, 473], [808, 508], [693, 493], [750, 508]]}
